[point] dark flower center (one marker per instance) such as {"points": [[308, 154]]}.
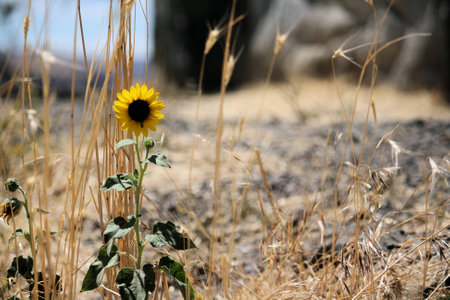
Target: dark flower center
{"points": [[139, 111], [8, 210]]}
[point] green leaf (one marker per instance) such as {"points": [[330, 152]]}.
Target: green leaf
{"points": [[169, 233], [20, 232], [118, 182], [94, 275], [118, 227], [125, 142], [53, 290], [21, 266], [160, 160], [136, 284], [149, 275], [176, 273]]}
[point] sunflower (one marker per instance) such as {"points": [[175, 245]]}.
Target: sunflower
{"points": [[9, 208], [138, 109]]}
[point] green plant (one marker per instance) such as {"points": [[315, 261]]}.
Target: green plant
{"points": [[25, 266], [138, 110]]}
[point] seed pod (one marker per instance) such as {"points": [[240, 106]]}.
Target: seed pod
{"points": [[11, 184]]}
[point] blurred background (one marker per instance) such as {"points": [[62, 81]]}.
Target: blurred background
{"points": [[179, 28]]}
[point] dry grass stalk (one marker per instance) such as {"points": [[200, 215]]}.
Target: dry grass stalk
{"points": [[300, 259]]}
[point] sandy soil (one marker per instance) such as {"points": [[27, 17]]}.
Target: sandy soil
{"points": [[300, 129], [254, 115], [291, 125]]}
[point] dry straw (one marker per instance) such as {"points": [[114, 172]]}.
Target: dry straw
{"points": [[303, 254]]}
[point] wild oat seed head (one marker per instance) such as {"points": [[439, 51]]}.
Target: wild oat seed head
{"points": [[212, 39], [26, 25], [279, 43], [32, 121], [337, 53], [229, 68], [138, 109]]}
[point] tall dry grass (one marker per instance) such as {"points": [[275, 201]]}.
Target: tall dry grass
{"points": [[288, 267]]}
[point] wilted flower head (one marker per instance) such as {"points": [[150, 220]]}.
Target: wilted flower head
{"points": [[10, 208], [11, 184]]}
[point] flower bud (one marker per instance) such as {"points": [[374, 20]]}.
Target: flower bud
{"points": [[149, 143], [11, 184]]}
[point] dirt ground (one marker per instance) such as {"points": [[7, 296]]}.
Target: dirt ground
{"points": [[300, 130]]}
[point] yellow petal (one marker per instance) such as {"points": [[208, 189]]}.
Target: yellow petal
{"points": [[143, 92], [154, 120], [138, 91], [148, 123], [157, 105], [123, 117], [125, 125], [127, 95], [149, 94], [158, 115], [120, 105], [144, 131], [159, 102], [123, 98], [134, 94]]}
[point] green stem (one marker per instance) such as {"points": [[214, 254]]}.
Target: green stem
{"points": [[128, 255], [30, 229], [137, 198]]}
